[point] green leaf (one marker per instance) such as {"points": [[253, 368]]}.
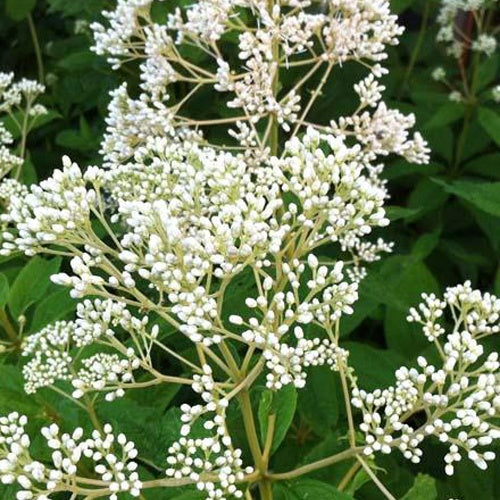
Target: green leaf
{"points": [[483, 195], [242, 286], [429, 98], [86, 130], [426, 197], [477, 141], [448, 113], [4, 290], [328, 445], [383, 286], [281, 492], [380, 286], [465, 250], [374, 367], [395, 213], [490, 121], [78, 61], [474, 483], [70, 8], [398, 6], [425, 244], [9, 491], [151, 430], [190, 495], [186, 492], [486, 166], [424, 488], [488, 71], [12, 395], [48, 117], [31, 283], [283, 404], [359, 480], [308, 489], [407, 338], [72, 139], [441, 141], [55, 306], [365, 306], [79, 140], [159, 396], [401, 168], [318, 402], [28, 172], [19, 9], [13, 128]]}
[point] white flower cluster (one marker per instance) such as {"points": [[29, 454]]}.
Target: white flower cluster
{"points": [[460, 398], [329, 297], [104, 371], [384, 131], [112, 459], [13, 93], [98, 318], [210, 461], [51, 360], [56, 351], [495, 93], [286, 363], [17, 100], [57, 208], [465, 29], [479, 312], [299, 33], [455, 35], [189, 213], [8, 160], [207, 204], [340, 187], [124, 23], [130, 122], [164, 229], [10, 188]]}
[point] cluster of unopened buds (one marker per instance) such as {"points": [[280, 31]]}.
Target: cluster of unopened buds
{"points": [[460, 395], [303, 34], [464, 26], [210, 460], [18, 104], [112, 458], [453, 26], [181, 218]]}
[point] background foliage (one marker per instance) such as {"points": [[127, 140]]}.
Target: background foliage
{"points": [[445, 225]]}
